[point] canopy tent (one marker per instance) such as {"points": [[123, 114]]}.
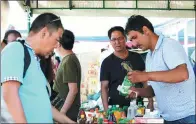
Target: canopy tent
{"points": [[154, 8]]}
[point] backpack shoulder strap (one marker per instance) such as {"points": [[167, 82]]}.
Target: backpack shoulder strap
{"points": [[27, 58]]}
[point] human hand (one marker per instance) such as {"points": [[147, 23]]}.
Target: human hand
{"points": [[133, 93], [150, 105], [138, 76], [62, 111]]}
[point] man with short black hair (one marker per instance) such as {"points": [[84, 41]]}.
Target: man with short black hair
{"points": [[169, 74], [68, 78], [112, 73], [26, 97]]}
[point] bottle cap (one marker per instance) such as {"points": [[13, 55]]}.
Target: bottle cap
{"points": [[82, 116]]}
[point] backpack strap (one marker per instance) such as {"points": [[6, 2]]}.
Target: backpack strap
{"points": [[27, 58]]}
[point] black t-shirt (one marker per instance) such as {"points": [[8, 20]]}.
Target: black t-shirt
{"points": [[112, 71]]}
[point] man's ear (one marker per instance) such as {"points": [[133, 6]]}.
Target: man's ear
{"points": [[146, 31], [44, 32], [58, 45]]}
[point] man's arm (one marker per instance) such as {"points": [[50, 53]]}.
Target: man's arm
{"points": [[147, 92], [59, 117], [150, 100], [73, 90], [176, 75], [12, 100], [104, 94]]}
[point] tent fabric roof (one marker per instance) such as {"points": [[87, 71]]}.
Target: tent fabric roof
{"points": [[156, 8]]}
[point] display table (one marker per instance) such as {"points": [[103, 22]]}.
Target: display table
{"points": [[136, 120]]}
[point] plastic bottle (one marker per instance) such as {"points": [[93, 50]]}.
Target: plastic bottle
{"points": [[82, 119], [125, 108], [117, 107], [140, 109], [94, 119], [110, 121], [109, 109], [89, 119], [131, 112], [105, 121], [113, 117], [81, 112], [114, 107], [147, 113], [100, 121]]}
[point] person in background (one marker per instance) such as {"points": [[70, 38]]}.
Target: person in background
{"points": [[112, 72], [46, 65], [10, 36], [68, 78], [56, 63], [169, 74], [26, 96]]}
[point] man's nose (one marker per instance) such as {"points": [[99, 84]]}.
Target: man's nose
{"points": [[117, 41], [134, 43]]}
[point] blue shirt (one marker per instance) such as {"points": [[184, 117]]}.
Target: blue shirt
{"points": [[174, 100], [32, 92]]}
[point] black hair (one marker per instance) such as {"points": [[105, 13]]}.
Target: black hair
{"points": [[136, 23], [67, 40], [116, 28], [50, 20], [47, 68], [16, 33], [57, 59]]}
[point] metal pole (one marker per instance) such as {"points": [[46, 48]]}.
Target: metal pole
{"points": [[37, 6], [136, 4], [29, 14], [168, 5], [70, 4], [122, 8], [103, 4]]}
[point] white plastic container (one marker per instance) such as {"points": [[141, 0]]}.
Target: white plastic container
{"points": [[147, 113], [131, 112]]}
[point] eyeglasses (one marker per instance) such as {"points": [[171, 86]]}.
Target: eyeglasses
{"points": [[117, 39]]}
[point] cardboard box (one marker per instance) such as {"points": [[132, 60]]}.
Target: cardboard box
{"points": [[141, 120]]}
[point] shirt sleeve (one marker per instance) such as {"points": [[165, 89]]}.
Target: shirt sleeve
{"points": [[70, 72], [12, 63], [104, 72], [173, 54]]}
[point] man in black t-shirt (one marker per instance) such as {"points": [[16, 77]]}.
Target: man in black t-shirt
{"points": [[112, 73]]}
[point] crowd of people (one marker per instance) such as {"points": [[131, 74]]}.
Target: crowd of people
{"points": [[39, 87]]}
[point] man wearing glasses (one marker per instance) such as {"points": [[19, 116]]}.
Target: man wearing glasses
{"points": [[26, 97], [112, 73]]}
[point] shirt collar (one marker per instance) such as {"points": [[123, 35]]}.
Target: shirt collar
{"points": [[159, 42], [26, 44]]}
